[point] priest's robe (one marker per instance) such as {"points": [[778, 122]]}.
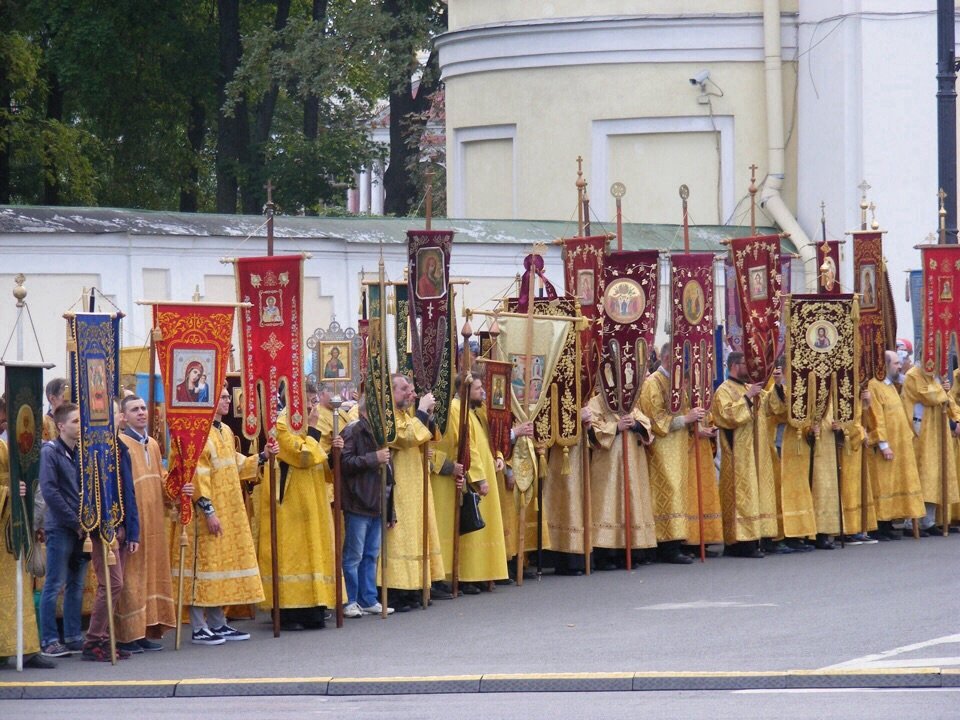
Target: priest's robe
{"points": [[146, 606], [710, 493], [525, 464], [796, 501], [405, 539], [607, 465], [897, 492], [8, 580], [859, 513], [925, 400], [220, 570], [482, 553], [325, 426], [747, 490], [563, 498]]}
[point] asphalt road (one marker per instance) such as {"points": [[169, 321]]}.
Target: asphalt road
{"points": [[783, 612]]}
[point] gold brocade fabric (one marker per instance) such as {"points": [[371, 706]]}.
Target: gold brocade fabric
{"points": [[896, 483], [482, 553], [510, 507], [607, 465], [747, 496], [220, 570], [8, 581], [932, 447], [305, 546], [405, 539], [325, 426], [146, 600], [563, 500], [710, 489], [795, 504], [855, 483], [668, 456]]}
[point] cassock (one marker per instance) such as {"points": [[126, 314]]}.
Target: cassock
{"points": [[859, 514], [220, 570], [607, 480], [563, 498], [896, 483], [405, 539], [482, 553], [747, 491], [146, 606], [795, 502], [525, 464]]}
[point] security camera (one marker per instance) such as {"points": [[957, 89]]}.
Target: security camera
{"points": [[700, 78]]}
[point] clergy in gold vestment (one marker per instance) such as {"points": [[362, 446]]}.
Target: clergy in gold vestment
{"points": [[673, 469], [8, 583], [929, 406], [892, 465], [305, 540], [405, 539], [746, 474], [145, 608], [563, 505], [482, 553], [221, 564], [522, 471], [348, 413], [607, 467], [859, 514]]}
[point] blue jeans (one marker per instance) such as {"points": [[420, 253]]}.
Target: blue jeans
{"points": [[361, 546], [67, 572]]}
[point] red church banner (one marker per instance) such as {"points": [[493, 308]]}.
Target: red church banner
{"points": [[629, 325], [757, 270], [271, 338], [877, 316], [583, 280], [193, 345], [691, 361], [941, 306]]}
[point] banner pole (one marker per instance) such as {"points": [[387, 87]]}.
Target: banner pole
{"points": [[20, 293], [384, 506], [267, 409], [337, 401]]}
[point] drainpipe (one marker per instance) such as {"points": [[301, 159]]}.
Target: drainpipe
{"points": [[770, 198]]}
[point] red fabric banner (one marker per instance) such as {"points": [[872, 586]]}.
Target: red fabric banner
{"points": [[941, 306], [496, 383], [583, 279], [876, 304], [691, 362], [193, 348], [271, 338], [629, 325], [758, 273], [429, 264], [828, 267]]}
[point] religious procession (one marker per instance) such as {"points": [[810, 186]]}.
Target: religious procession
{"points": [[429, 457]]}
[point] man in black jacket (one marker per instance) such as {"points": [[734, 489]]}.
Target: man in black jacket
{"points": [[360, 462]]}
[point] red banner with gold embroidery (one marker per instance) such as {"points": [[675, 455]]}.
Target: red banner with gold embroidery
{"points": [[691, 362], [193, 345], [878, 322], [496, 382], [629, 325], [828, 267], [271, 338], [583, 279], [758, 273], [941, 306]]}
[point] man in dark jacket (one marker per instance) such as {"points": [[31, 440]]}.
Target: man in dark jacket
{"points": [[360, 462]]}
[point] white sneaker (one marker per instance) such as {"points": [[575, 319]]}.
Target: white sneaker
{"points": [[352, 611], [376, 609]]}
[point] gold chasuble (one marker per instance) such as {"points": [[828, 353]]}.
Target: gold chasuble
{"points": [[855, 481], [220, 570], [482, 553], [896, 483], [405, 539], [929, 406], [146, 607], [747, 496], [712, 512], [325, 426], [563, 499], [304, 525], [606, 471], [795, 506], [669, 459], [8, 580]]}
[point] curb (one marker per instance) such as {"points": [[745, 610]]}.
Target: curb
{"points": [[912, 678]]}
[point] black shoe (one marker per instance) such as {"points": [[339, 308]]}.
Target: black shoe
{"points": [[131, 647], [440, 591], [934, 530], [289, 626], [824, 542], [798, 545], [575, 572], [149, 645], [506, 581], [678, 558], [469, 589], [39, 662], [777, 548]]}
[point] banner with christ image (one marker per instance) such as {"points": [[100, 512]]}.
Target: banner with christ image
{"points": [[759, 281]]}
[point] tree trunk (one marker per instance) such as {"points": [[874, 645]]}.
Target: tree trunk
{"points": [[51, 186], [5, 146], [311, 106], [229, 140], [196, 129]]}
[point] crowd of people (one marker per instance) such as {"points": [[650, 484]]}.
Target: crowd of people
{"points": [[648, 486]]}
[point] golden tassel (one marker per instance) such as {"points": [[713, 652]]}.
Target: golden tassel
{"points": [[87, 544], [565, 466], [113, 548]]}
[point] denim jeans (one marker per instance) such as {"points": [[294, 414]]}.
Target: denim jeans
{"points": [[361, 547], [65, 571]]}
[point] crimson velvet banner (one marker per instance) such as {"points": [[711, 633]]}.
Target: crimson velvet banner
{"points": [[271, 338], [758, 274], [941, 306], [691, 361], [583, 279], [876, 303]]}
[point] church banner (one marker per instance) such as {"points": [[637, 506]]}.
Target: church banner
{"points": [[759, 280], [432, 321], [271, 338], [94, 342], [822, 358], [828, 267], [876, 304], [734, 328], [583, 279], [691, 362], [377, 383], [496, 383], [629, 325], [941, 306], [193, 346], [24, 393], [403, 334]]}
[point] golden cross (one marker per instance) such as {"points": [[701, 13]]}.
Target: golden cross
{"points": [[753, 172], [943, 196], [864, 186]]}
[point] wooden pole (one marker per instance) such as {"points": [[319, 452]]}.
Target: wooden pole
{"points": [[463, 448], [271, 470], [581, 185], [527, 371], [425, 534], [429, 199], [183, 551], [106, 577], [384, 506], [336, 401], [838, 438], [151, 389], [944, 496], [587, 502]]}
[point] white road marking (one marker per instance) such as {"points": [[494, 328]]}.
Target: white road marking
{"points": [[797, 691], [882, 660], [704, 604]]}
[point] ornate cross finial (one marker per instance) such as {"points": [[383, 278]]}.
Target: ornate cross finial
{"points": [[753, 173], [943, 196], [581, 183], [931, 238], [19, 291], [196, 294], [874, 225], [269, 207], [823, 211], [943, 216], [864, 186], [753, 199]]}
